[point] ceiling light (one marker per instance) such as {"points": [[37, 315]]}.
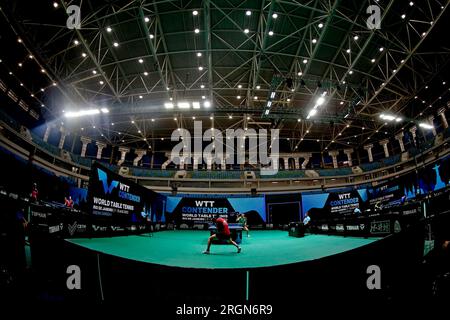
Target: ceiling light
{"points": [[341, 103], [141, 60], [258, 87], [314, 40], [84, 55], [348, 51], [200, 68], [197, 30], [55, 4], [238, 97], [184, 105], [203, 97], [81, 113], [403, 16], [320, 25], [230, 117], [246, 31], [94, 71], [275, 16], [381, 49], [270, 33], [202, 86], [355, 38], [320, 101], [255, 97], [140, 97], [240, 86], [206, 104], [168, 105], [76, 42], [132, 121], [199, 54], [248, 13], [146, 19], [108, 29], [288, 100], [101, 82], [350, 72], [305, 61], [373, 60], [426, 126], [145, 73], [195, 12], [151, 36], [411, 4], [116, 44]]}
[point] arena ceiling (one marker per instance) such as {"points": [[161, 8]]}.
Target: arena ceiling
{"points": [[225, 59]]}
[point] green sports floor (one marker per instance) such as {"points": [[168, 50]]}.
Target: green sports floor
{"points": [[184, 249]]}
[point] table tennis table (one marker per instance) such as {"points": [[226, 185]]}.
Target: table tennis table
{"points": [[235, 231]]}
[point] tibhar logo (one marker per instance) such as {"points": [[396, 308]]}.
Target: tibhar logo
{"points": [[214, 152], [103, 177], [374, 280], [74, 280], [74, 19], [374, 21]]}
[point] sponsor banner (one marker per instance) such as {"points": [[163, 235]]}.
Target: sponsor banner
{"points": [[117, 203], [197, 211]]}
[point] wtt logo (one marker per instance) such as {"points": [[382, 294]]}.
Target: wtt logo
{"points": [[103, 177]]}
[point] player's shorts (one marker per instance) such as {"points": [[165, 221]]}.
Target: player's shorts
{"points": [[222, 236]]}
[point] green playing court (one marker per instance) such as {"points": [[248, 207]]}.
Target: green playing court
{"points": [[184, 249]]}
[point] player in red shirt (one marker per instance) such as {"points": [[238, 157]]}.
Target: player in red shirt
{"points": [[68, 202], [223, 233]]}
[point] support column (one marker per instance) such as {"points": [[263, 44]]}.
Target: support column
{"points": [[431, 121], [286, 163], [306, 156], [85, 141], [100, 147], [139, 154], [63, 137], [334, 155], [47, 132], [297, 163], [123, 153], [223, 163], [195, 161], [368, 148], [441, 113], [349, 152], [413, 133], [399, 138], [384, 144], [209, 163]]}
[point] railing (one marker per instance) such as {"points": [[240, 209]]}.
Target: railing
{"points": [[232, 181]]}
